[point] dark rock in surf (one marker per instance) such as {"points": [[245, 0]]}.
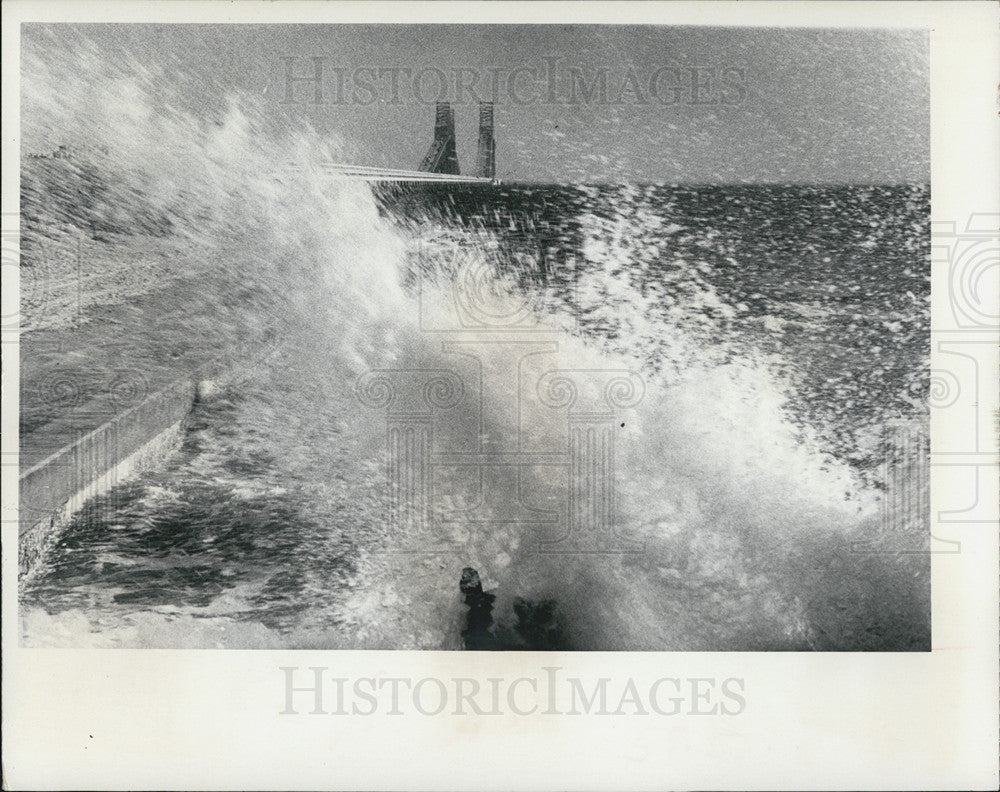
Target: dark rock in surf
{"points": [[476, 634], [538, 626]]}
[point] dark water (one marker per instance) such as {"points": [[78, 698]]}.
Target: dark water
{"points": [[833, 282], [778, 329]]}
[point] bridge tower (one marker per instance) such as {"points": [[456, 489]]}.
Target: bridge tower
{"points": [[442, 156], [486, 164]]}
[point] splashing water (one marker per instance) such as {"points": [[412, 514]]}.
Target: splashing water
{"points": [[638, 375]]}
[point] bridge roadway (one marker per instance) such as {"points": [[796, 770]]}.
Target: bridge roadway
{"points": [[367, 173]]}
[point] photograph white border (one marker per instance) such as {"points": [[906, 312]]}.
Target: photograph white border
{"points": [[137, 719]]}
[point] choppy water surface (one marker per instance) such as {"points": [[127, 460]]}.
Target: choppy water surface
{"points": [[776, 331]]}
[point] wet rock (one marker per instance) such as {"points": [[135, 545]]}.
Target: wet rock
{"points": [[537, 626], [477, 635]]}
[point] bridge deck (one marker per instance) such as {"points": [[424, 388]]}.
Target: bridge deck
{"points": [[367, 173]]}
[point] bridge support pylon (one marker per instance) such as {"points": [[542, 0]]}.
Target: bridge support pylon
{"points": [[486, 165], [442, 156]]}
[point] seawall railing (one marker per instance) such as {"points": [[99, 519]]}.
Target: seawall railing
{"points": [[55, 488]]}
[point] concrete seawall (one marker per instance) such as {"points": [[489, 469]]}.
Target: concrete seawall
{"points": [[55, 488]]}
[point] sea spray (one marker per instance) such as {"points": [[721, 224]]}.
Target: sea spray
{"points": [[731, 506]]}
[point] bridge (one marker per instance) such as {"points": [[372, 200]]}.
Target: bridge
{"points": [[365, 173], [440, 164]]}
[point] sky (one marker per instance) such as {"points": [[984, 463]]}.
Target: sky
{"points": [[573, 102]]}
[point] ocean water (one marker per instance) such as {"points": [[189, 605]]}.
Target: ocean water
{"points": [[652, 417]]}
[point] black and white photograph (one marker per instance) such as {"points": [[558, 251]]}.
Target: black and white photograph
{"points": [[549, 337], [337, 330]]}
